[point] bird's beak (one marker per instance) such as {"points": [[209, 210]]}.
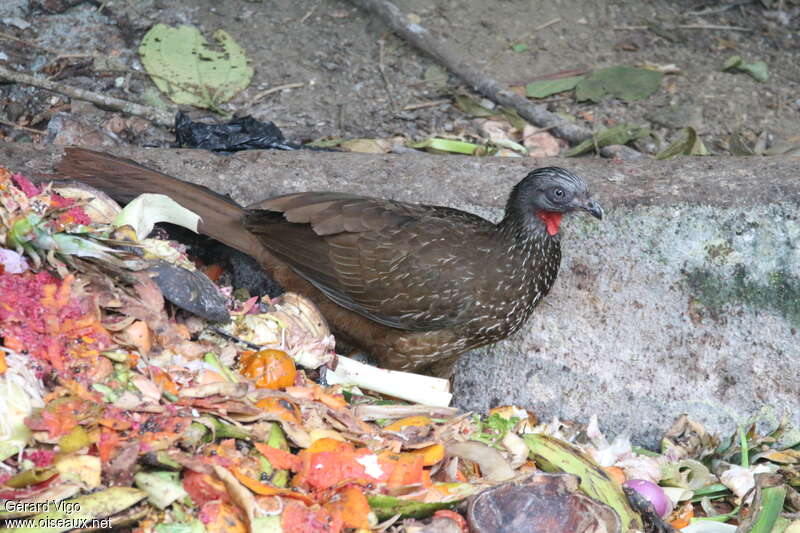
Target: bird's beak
{"points": [[593, 208]]}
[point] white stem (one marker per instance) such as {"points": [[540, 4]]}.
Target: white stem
{"points": [[415, 388]]}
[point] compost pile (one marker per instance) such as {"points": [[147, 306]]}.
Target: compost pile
{"points": [[123, 409]]}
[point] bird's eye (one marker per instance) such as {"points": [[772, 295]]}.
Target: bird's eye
{"points": [[559, 193]]}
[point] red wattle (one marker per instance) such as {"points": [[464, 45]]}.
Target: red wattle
{"points": [[551, 220]]}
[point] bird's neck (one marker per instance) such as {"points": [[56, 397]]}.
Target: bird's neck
{"points": [[541, 225]]}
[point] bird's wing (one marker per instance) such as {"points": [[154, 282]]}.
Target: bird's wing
{"points": [[406, 266]]}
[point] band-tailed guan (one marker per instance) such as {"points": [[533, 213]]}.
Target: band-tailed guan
{"points": [[413, 285]]}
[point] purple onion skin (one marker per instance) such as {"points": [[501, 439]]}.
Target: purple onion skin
{"points": [[652, 493]]}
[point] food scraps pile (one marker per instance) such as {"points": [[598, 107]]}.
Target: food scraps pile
{"points": [[121, 409]]}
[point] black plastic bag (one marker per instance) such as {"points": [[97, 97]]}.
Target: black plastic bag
{"points": [[245, 133]]}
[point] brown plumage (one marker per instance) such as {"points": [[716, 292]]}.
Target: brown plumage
{"points": [[413, 285]]}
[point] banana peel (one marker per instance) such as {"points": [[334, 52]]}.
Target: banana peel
{"points": [[554, 455]]}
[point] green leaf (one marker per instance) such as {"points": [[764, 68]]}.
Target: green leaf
{"points": [[162, 488], [446, 145], [109, 395], [276, 439], [145, 210], [185, 67], [513, 118], [732, 62], [619, 134], [545, 88], [738, 146], [223, 429], [688, 144], [435, 75], [627, 83], [519, 47], [472, 107], [698, 148], [769, 509], [758, 70], [712, 491], [590, 89]]}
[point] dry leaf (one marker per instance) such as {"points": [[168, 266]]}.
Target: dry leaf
{"points": [[540, 144]]}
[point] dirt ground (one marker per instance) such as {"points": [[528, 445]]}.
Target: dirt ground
{"points": [[360, 80]]}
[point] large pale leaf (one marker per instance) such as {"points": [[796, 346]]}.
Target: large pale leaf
{"points": [[626, 83], [188, 70]]}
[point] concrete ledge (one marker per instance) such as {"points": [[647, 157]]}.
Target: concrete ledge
{"points": [[685, 299]]}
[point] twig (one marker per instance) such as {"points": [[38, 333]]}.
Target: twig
{"points": [[546, 24], [489, 87], [42, 48], [689, 27], [714, 27], [382, 68], [276, 89], [540, 130], [162, 118], [720, 9], [18, 127], [310, 12], [421, 105]]}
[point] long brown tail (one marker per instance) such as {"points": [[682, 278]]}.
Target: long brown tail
{"points": [[124, 179]]}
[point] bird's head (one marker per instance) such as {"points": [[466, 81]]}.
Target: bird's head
{"points": [[545, 195]]}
